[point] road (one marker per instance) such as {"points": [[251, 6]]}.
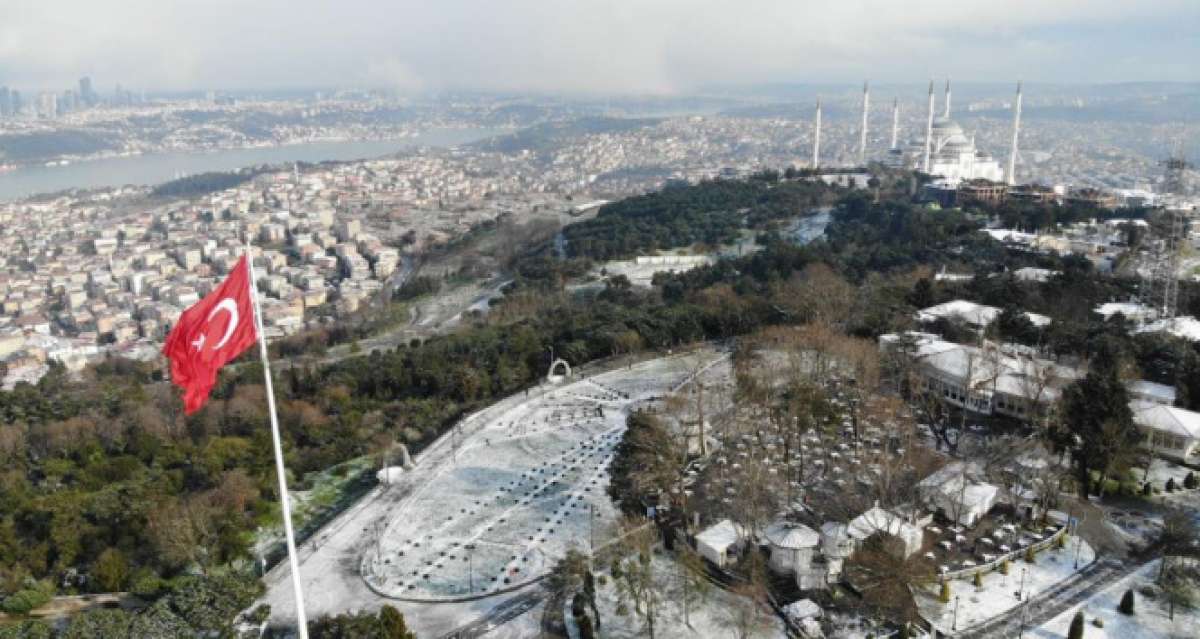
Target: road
{"points": [[1049, 604], [500, 615]]}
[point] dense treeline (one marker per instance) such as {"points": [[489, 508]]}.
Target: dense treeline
{"points": [[45, 145], [202, 183], [711, 213]]}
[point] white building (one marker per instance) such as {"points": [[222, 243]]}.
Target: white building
{"points": [[988, 380], [977, 316], [1170, 431], [957, 495], [877, 520], [791, 545], [720, 543], [953, 155]]}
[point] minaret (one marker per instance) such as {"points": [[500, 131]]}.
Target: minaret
{"points": [[817, 137], [1011, 175], [928, 131], [947, 113], [862, 140], [895, 121]]}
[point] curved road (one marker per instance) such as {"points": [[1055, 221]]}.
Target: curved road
{"points": [[1051, 603]]}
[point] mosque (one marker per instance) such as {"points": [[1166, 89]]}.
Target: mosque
{"points": [[953, 156]]}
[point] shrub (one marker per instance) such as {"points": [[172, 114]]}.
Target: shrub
{"points": [[1147, 490], [903, 634], [260, 614], [1004, 567], [944, 595], [1126, 606], [1171, 485], [622, 610], [1076, 630], [22, 601], [1098, 622], [978, 580], [147, 585], [1190, 482], [1030, 555], [1061, 541]]}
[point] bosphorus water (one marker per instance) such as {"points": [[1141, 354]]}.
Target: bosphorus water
{"points": [[155, 168]]}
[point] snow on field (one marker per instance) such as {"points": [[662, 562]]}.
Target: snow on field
{"points": [[998, 594], [719, 614], [1150, 621], [518, 482], [527, 486]]}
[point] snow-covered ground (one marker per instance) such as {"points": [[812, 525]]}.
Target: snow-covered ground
{"points": [[719, 614], [518, 481], [998, 594], [1150, 621]]}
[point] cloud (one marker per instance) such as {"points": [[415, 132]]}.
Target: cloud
{"points": [[632, 46]]}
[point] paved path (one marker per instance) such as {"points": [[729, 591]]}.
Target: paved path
{"points": [[500, 615], [1051, 603]]}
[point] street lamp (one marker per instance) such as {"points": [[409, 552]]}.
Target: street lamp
{"points": [[954, 625], [1021, 589]]}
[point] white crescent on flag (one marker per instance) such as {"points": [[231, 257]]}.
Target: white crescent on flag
{"points": [[229, 305]]}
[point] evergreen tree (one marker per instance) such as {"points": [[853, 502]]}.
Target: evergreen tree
{"points": [[393, 625], [1076, 630], [1097, 423], [1126, 606]]}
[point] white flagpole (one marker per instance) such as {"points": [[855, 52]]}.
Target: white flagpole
{"points": [[284, 500]]}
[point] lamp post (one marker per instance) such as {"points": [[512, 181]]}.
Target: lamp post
{"points": [[954, 624], [1021, 589]]}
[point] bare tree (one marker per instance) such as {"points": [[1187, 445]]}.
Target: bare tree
{"points": [[747, 614]]}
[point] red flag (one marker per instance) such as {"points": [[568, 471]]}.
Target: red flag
{"points": [[209, 334]]}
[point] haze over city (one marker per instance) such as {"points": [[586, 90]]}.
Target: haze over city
{"points": [[655, 46]]}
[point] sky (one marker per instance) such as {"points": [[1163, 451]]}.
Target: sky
{"points": [[588, 46]]}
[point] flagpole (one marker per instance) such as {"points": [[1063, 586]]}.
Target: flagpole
{"points": [[284, 500]]}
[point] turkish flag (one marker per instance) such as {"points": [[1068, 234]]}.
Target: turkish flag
{"points": [[208, 335]]}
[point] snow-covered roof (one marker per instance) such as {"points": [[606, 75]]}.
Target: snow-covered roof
{"points": [[971, 313], [803, 609], [1033, 274], [1128, 309], [1010, 235], [788, 534], [950, 480], [720, 536], [1152, 391], [993, 369], [1167, 419], [834, 531], [1186, 327], [879, 520]]}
